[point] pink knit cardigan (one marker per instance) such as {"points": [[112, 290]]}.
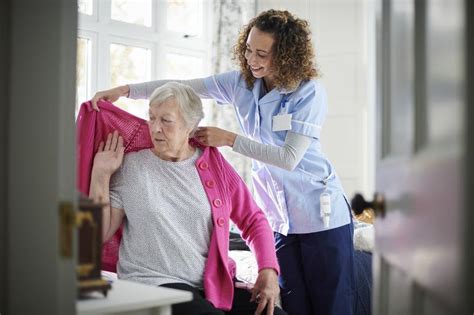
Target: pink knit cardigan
{"points": [[227, 194]]}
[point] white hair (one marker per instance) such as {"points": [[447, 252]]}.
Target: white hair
{"points": [[187, 100]]}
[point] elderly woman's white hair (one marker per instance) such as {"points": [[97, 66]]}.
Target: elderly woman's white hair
{"points": [[187, 100]]}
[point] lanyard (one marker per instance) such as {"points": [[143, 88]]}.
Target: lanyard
{"points": [[284, 100]]}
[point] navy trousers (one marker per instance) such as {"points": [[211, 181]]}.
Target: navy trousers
{"points": [[317, 272]]}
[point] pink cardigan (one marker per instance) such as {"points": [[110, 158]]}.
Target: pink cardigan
{"points": [[227, 194]]}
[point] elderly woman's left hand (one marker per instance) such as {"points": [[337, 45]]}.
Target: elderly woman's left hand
{"points": [[215, 137], [266, 291]]}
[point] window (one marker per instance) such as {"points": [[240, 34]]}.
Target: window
{"points": [[85, 6], [135, 12], [129, 63], [181, 17], [83, 69], [130, 41]]}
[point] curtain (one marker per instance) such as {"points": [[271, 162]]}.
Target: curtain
{"points": [[229, 18]]}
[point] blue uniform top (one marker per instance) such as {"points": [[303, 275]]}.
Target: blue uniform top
{"points": [[290, 199]]}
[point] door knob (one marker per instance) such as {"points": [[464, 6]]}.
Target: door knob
{"points": [[358, 204]]}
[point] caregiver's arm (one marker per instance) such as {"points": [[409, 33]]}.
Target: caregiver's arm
{"points": [[144, 90], [287, 156]]}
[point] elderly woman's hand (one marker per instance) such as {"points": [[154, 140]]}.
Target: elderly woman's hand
{"points": [[266, 291], [110, 95], [109, 156], [215, 137]]}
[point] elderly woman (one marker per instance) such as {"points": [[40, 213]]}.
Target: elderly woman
{"points": [[176, 200]]}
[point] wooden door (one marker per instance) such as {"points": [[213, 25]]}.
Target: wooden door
{"points": [[423, 259]]}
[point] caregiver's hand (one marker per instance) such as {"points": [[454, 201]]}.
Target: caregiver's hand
{"points": [[110, 95], [215, 137]]}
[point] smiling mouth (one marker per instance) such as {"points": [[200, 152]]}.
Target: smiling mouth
{"points": [[256, 69]]}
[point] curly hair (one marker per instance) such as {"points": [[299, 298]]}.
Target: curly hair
{"points": [[293, 55]]}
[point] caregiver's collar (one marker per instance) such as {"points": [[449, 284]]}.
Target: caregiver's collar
{"points": [[287, 91], [282, 90], [271, 96]]}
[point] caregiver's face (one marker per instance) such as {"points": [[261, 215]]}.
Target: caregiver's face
{"points": [[168, 129], [259, 53]]}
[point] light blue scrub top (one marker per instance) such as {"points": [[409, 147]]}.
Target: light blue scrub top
{"points": [[290, 199]]}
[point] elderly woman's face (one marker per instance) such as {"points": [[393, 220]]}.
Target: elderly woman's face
{"points": [[168, 129]]}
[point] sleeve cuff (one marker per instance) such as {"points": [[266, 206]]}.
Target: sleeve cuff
{"points": [[137, 91], [270, 266], [238, 143], [115, 201]]}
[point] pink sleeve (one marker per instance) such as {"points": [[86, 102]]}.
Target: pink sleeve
{"points": [[251, 220], [85, 133], [93, 127]]}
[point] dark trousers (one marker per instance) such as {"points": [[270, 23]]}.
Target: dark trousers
{"points": [[317, 273], [241, 304]]}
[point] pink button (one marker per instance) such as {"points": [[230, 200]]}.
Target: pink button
{"points": [[203, 165], [217, 202], [210, 183], [220, 221]]}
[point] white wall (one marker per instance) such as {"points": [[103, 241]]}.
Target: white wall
{"points": [[341, 31]]}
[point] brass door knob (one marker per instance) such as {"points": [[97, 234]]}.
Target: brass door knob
{"points": [[358, 204]]}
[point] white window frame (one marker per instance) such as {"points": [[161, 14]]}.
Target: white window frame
{"points": [[102, 30], [93, 67], [167, 49], [112, 39]]}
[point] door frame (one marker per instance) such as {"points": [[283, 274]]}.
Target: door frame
{"points": [[4, 38], [469, 144], [37, 157]]}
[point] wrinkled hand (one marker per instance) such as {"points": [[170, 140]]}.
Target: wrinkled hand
{"points": [[215, 137], [266, 291], [109, 157], [109, 95]]}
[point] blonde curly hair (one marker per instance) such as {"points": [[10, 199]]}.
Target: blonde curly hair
{"points": [[293, 55]]}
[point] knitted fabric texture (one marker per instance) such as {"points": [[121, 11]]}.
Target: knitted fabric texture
{"points": [[92, 128]]}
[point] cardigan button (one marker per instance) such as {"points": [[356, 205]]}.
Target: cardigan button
{"points": [[217, 202], [220, 221], [210, 183], [203, 165]]}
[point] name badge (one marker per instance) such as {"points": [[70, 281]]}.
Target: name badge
{"points": [[325, 208], [281, 122]]}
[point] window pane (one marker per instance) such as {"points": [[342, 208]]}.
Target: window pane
{"points": [[130, 64], [184, 16], [132, 11], [85, 6], [183, 66], [179, 66], [82, 71]]}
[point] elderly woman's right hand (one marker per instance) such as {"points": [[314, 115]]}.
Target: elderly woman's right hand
{"points": [[110, 95], [109, 157]]}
